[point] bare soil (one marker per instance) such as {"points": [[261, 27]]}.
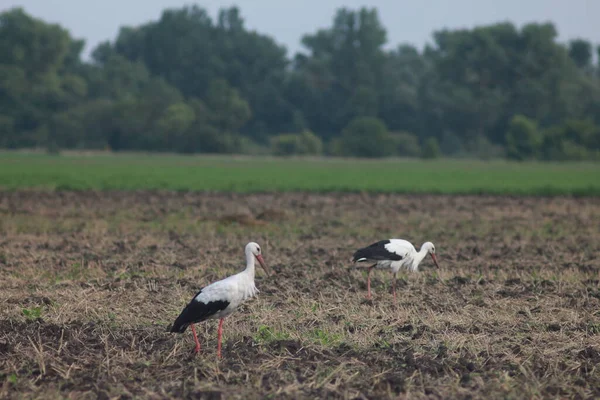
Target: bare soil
{"points": [[90, 282]]}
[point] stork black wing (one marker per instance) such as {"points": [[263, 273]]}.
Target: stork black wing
{"points": [[376, 252], [197, 311]]}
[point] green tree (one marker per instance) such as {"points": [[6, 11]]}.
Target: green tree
{"points": [[6, 131], [85, 126], [116, 77], [431, 148], [189, 83], [343, 71], [598, 60], [404, 70], [135, 118], [305, 143], [406, 144], [522, 138], [484, 76], [190, 51], [34, 46], [175, 123], [38, 63], [451, 145], [229, 111], [367, 137], [200, 136], [580, 52], [572, 140]]}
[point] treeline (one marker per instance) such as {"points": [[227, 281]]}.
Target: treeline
{"points": [[188, 83]]}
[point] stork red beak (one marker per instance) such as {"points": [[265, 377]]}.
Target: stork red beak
{"points": [[435, 260], [263, 264]]}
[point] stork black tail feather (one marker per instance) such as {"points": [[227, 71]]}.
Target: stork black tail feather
{"points": [[197, 311], [376, 252]]}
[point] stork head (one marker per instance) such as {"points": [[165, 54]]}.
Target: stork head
{"points": [[431, 250], [253, 250]]}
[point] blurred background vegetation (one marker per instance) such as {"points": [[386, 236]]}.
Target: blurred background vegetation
{"points": [[190, 84]]}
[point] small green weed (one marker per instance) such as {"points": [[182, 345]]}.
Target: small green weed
{"points": [[265, 335], [324, 338], [32, 313]]}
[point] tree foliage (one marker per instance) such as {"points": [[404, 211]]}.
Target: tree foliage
{"points": [[366, 137], [580, 51], [189, 83], [522, 139], [406, 144], [431, 148], [305, 143]]}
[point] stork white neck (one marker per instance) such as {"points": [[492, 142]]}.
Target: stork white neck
{"points": [[421, 254], [250, 263]]}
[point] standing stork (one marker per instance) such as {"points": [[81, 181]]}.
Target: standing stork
{"points": [[221, 298], [393, 254]]}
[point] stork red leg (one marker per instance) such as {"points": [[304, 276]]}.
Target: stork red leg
{"points": [[369, 282], [394, 287], [220, 333], [197, 349]]}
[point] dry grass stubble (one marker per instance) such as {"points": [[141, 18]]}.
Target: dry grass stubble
{"points": [[90, 282]]}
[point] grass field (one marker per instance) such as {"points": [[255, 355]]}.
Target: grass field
{"points": [[91, 281], [243, 174]]}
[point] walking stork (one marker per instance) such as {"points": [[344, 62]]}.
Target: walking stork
{"points": [[221, 298], [393, 254]]}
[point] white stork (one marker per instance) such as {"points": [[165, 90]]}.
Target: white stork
{"points": [[393, 254], [221, 298]]}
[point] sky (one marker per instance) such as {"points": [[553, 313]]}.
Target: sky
{"points": [[407, 21]]}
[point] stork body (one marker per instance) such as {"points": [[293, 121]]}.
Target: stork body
{"points": [[393, 254], [221, 298]]}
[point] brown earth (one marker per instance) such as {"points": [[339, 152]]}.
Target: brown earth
{"points": [[90, 282]]}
